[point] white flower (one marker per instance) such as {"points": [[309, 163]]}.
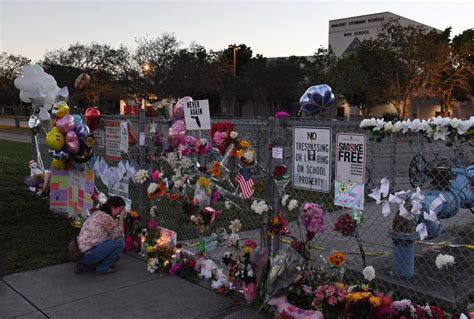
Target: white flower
{"points": [[186, 162], [235, 226], [388, 127], [227, 204], [379, 123], [369, 273], [455, 123], [367, 123], [233, 135], [441, 121], [102, 198], [141, 176], [429, 131], [406, 125], [397, 127], [178, 183], [444, 261], [152, 188], [418, 126], [259, 207], [292, 204], [152, 265], [284, 199], [193, 218], [232, 240], [441, 133], [464, 126], [153, 211]]}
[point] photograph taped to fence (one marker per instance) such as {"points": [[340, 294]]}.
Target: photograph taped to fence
{"points": [[312, 158]]}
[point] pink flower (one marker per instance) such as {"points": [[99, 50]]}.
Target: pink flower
{"points": [[312, 217], [332, 300], [219, 137], [215, 197], [330, 290], [281, 115], [250, 243], [155, 175], [153, 224]]}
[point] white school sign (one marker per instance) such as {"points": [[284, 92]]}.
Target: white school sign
{"points": [[312, 158]]}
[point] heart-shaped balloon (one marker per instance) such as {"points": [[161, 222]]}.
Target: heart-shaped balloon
{"points": [[92, 118], [176, 133], [72, 142], [316, 99], [220, 133], [84, 154], [82, 131], [66, 123], [178, 109], [55, 139]]}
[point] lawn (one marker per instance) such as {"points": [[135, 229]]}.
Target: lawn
{"points": [[30, 235]]}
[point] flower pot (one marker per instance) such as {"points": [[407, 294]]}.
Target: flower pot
{"points": [[403, 255]]}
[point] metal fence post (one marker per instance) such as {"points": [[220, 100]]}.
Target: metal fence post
{"points": [[141, 139]]}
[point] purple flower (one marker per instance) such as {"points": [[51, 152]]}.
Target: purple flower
{"points": [[281, 115], [175, 269], [312, 217]]}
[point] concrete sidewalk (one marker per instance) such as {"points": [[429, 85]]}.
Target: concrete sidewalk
{"points": [[132, 292]]}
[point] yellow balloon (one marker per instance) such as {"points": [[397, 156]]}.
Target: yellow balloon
{"points": [[58, 164], [60, 109], [55, 139]]}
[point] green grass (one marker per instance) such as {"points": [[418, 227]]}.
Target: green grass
{"points": [[30, 235]]}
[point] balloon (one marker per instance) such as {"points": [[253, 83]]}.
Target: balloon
{"points": [[82, 81], [92, 118], [316, 99], [55, 139], [176, 133], [72, 142], [43, 115], [66, 123], [37, 98], [25, 96], [60, 109], [82, 131], [84, 154], [62, 95], [34, 123], [62, 154], [178, 109], [58, 164], [77, 119]]}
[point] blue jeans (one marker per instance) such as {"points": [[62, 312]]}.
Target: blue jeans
{"points": [[103, 256]]}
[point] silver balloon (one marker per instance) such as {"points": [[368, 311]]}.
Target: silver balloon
{"points": [[34, 124]]}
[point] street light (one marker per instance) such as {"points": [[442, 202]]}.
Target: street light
{"points": [[146, 69], [235, 47]]}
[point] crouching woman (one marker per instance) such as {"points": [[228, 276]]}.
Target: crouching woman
{"points": [[101, 238]]}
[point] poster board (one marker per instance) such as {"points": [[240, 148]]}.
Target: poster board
{"points": [[81, 187], [312, 158], [58, 195], [197, 115], [112, 140]]}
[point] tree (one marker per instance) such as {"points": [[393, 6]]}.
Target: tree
{"points": [[320, 67], [10, 69], [109, 68], [451, 72]]}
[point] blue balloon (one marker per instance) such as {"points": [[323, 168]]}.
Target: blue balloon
{"points": [[62, 154], [77, 119], [82, 131], [316, 99]]}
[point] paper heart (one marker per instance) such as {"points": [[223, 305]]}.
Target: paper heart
{"points": [[220, 133]]}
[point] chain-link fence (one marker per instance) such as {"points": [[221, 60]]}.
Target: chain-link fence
{"points": [[406, 161]]}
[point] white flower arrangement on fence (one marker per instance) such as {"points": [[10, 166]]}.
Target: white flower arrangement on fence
{"points": [[436, 128]]}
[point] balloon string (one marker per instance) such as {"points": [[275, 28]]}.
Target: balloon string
{"points": [[39, 160]]}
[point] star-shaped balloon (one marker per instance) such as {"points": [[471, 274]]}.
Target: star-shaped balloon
{"points": [[62, 95]]}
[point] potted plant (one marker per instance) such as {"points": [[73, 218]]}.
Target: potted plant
{"points": [[403, 256]]}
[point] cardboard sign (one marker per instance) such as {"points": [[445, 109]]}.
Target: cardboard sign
{"points": [[58, 195], [81, 187], [112, 140], [312, 158], [351, 149], [197, 116]]}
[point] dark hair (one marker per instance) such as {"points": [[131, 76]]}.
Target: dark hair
{"points": [[112, 202]]}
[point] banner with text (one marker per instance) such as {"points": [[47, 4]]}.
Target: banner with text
{"points": [[312, 158]]}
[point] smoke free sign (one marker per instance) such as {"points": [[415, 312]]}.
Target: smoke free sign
{"points": [[351, 149]]}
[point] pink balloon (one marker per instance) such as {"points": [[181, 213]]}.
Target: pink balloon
{"points": [[72, 142], [66, 123], [176, 133], [178, 109]]}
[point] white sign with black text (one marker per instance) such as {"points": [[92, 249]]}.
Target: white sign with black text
{"points": [[312, 158], [350, 157], [197, 116]]}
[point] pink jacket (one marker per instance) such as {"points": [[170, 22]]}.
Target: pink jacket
{"points": [[96, 229]]}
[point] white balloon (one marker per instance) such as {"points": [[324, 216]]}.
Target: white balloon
{"points": [[51, 98], [25, 96], [25, 84], [44, 115], [28, 70], [49, 83]]}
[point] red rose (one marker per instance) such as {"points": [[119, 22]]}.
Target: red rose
{"points": [[191, 263], [280, 170]]}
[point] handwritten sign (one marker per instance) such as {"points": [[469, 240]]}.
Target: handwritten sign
{"points": [[112, 140], [312, 158], [197, 116]]}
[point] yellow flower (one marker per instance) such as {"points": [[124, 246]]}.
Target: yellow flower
{"points": [[358, 296], [150, 249], [245, 144], [247, 250], [375, 301], [205, 183], [133, 214], [340, 285], [240, 153]]}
